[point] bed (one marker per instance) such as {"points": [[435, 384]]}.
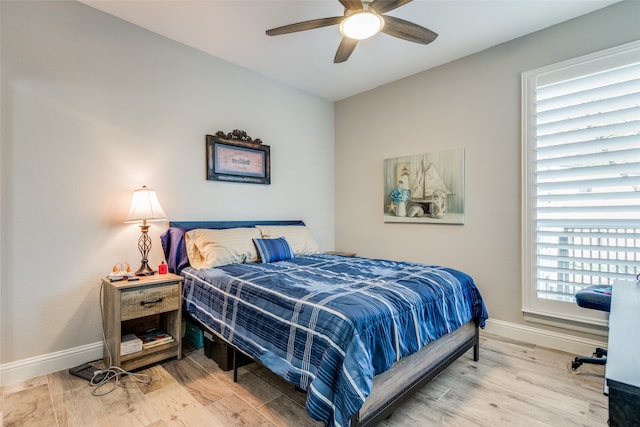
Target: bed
{"points": [[358, 335]]}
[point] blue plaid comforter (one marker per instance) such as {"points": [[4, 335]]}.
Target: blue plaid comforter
{"points": [[329, 323]]}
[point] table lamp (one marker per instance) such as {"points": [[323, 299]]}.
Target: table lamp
{"points": [[145, 207]]}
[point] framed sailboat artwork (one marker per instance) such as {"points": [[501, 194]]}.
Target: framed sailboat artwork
{"points": [[425, 188]]}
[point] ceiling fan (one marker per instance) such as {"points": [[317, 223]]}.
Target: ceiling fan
{"points": [[356, 14]]}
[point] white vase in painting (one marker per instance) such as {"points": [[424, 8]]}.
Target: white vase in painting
{"points": [[402, 209]]}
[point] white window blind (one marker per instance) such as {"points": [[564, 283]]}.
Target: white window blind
{"points": [[581, 193]]}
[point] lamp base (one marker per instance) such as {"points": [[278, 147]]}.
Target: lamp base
{"points": [[144, 270], [144, 246]]}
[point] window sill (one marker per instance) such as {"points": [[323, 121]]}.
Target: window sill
{"points": [[581, 324]]}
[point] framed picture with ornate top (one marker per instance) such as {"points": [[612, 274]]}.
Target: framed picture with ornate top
{"points": [[236, 157]]}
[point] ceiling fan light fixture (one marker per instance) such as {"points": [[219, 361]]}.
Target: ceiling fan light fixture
{"points": [[363, 19], [361, 25]]}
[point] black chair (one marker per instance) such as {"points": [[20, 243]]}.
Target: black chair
{"points": [[596, 297]]}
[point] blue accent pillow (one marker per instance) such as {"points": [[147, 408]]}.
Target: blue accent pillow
{"points": [[272, 250]]}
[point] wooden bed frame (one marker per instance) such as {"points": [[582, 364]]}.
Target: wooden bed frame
{"points": [[406, 377], [395, 386]]}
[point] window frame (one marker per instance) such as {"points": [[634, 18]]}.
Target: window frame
{"points": [[535, 309]]}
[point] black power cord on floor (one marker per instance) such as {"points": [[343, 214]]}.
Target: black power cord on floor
{"points": [[99, 378]]}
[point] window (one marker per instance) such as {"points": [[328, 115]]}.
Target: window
{"points": [[581, 179]]}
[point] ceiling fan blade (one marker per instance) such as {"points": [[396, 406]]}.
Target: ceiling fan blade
{"points": [[406, 30], [306, 25], [351, 4], [383, 6], [345, 49]]}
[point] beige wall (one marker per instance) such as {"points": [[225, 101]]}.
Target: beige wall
{"points": [[472, 103], [94, 107]]}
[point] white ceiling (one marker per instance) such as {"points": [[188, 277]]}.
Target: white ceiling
{"points": [[234, 30]]}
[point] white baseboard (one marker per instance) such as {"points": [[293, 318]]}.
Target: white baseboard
{"points": [[65, 359], [47, 363], [544, 338]]}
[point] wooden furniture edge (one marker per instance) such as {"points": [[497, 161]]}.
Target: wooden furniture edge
{"points": [[375, 414]]}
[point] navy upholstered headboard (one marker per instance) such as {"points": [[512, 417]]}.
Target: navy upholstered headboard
{"points": [[175, 251]]}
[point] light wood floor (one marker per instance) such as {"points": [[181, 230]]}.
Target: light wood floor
{"points": [[513, 384]]}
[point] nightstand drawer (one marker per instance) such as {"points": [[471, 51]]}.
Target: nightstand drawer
{"points": [[149, 300]]}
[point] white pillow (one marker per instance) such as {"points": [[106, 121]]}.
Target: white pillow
{"points": [[298, 236], [211, 248]]}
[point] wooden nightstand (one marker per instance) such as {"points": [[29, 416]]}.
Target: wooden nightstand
{"points": [[137, 306]]}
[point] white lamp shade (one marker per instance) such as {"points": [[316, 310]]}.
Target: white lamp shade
{"points": [[145, 206]]}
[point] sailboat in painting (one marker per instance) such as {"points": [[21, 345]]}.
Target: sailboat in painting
{"points": [[430, 191]]}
